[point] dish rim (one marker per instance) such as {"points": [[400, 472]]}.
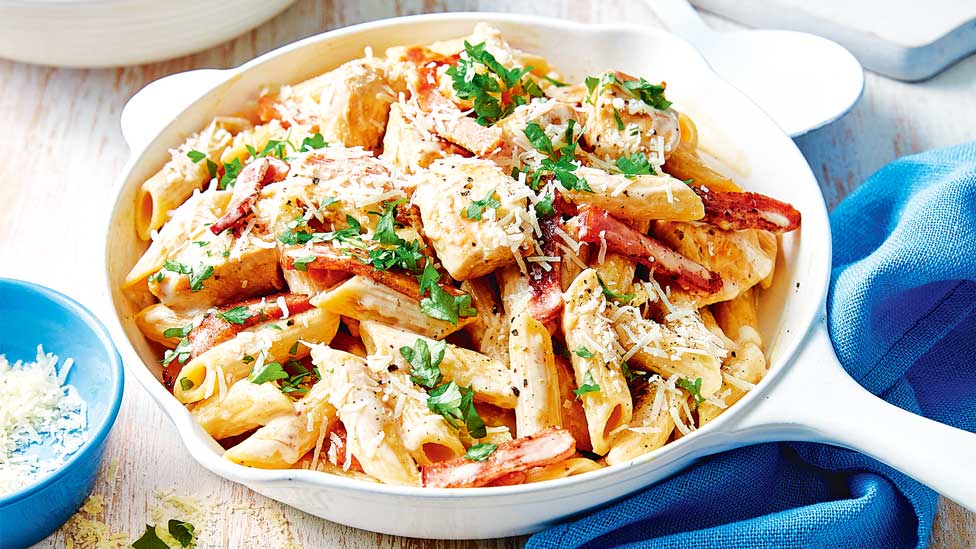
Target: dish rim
{"points": [[201, 446], [99, 435]]}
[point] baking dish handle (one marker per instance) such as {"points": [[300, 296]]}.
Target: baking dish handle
{"points": [[816, 400], [152, 107]]}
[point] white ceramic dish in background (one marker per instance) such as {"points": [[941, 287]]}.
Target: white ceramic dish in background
{"points": [[805, 396], [103, 33], [802, 81]]}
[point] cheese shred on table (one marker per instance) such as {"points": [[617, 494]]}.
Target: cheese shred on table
{"points": [[37, 407]]}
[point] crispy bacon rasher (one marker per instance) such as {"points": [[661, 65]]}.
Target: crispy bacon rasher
{"points": [[666, 263], [546, 447], [735, 211], [547, 296], [250, 181], [214, 330]]}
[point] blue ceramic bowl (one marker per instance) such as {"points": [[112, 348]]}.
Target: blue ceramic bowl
{"points": [[32, 315]]}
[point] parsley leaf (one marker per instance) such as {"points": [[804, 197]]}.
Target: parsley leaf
{"points": [[196, 156], [477, 207], [651, 94], [231, 171], [494, 93], [269, 371], [588, 386], [314, 142], [197, 275], [456, 403], [537, 136], [406, 256], [555, 82], [561, 163], [149, 540], [186, 383], [636, 164], [181, 531], [425, 361], [693, 388], [616, 117], [301, 263], [544, 208], [625, 370], [176, 267], [237, 315], [480, 452], [607, 291], [182, 351], [386, 227], [439, 303], [583, 352]]}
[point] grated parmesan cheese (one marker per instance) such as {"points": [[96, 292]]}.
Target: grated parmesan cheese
{"points": [[36, 407]]}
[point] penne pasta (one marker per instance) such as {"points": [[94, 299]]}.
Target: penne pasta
{"points": [[246, 406], [534, 370]]}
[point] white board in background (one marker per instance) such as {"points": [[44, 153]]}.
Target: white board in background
{"points": [[904, 39]]}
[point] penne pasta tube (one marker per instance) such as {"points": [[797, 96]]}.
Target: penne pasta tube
{"points": [[232, 360], [600, 383], [490, 328], [659, 349], [639, 197], [245, 406], [490, 379], [649, 429], [427, 435], [371, 434], [188, 220], [534, 371], [363, 299], [154, 320], [568, 468], [179, 177], [283, 441]]}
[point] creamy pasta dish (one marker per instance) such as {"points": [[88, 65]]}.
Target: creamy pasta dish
{"points": [[447, 266]]}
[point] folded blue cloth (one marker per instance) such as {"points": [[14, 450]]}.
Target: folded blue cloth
{"points": [[902, 317]]}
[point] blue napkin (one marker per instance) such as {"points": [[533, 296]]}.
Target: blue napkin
{"points": [[902, 316]]}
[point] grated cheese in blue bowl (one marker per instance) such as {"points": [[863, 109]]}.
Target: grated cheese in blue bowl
{"points": [[43, 421]]}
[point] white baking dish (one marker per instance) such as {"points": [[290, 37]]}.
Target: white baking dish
{"points": [[805, 396]]}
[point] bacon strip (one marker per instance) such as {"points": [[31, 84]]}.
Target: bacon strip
{"points": [[547, 294], [214, 330], [552, 445], [734, 211], [327, 258], [250, 181], [665, 262]]}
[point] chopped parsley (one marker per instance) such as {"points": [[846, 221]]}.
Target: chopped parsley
{"points": [[186, 383], [440, 304], [477, 207], [425, 361], [456, 404], [268, 371], [607, 291], [625, 370], [297, 232], [301, 263], [237, 315], [650, 94], [293, 383], [182, 351], [406, 256], [196, 156], [616, 117], [555, 82], [544, 208], [558, 163], [293, 350], [494, 92], [588, 386], [636, 164], [231, 171], [386, 227], [150, 540], [480, 452], [314, 142], [582, 352], [693, 388], [181, 531], [197, 275]]}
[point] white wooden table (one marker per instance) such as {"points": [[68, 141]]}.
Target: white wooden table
{"points": [[62, 150]]}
